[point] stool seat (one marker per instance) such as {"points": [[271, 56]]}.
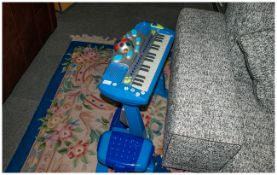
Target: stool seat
{"points": [[124, 152]]}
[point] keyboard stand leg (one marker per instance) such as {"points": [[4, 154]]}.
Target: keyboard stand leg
{"points": [[100, 168], [116, 121], [135, 123], [160, 87], [150, 167]]}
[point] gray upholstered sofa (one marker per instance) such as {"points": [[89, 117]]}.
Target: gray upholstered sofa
{"points": [[221, 103]]}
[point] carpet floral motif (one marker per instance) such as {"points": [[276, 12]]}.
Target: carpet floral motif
{"points": [[78, 115]]}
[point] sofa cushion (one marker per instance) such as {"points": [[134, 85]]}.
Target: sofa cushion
{"points": [[243, 18], [258, 49], [195, 21], [256, 17], [233, 22]]}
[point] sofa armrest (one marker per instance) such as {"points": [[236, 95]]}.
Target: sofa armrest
{"points": [[203, 114]]}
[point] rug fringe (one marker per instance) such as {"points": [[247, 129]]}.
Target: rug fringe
{"points": [[93, 38]]}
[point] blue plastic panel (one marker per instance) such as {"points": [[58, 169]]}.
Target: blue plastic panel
{"points": [[145, 156], [102, 147], [124, 152]]}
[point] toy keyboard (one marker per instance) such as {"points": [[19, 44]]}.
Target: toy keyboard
{"points": [[136, 64]]}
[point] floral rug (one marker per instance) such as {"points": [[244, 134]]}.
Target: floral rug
{"points": [[68, 133]]}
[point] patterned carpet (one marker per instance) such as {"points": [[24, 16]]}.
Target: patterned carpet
{"points": [[78, 114]]}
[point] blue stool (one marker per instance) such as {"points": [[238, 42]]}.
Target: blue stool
{"points": [[125, 152], [125, 148]]}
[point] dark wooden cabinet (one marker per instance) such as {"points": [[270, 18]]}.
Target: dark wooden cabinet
{"points": [[26, 27]]}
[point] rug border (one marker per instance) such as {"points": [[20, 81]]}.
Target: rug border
{"points": [[27, 141]]}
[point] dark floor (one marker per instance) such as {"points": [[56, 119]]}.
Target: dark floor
{"points": [[111, 20]]}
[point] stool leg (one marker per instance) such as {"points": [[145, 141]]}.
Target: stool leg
{"points": [[100, 168], [160, 87], [134, 119], [150, 167]]}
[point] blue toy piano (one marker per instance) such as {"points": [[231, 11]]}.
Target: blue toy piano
{"points": [[133, 75]]}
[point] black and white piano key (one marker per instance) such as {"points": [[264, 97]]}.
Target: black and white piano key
{"points": [[143, 69], [156, 45], [140, 76], [138, 80], [135, 83], [154, 48], [151, 61], [159, 39], [160, 35], [152, 54], [147, 59], [150, 57], [145, 66]]}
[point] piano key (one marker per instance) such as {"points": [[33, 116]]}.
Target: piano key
{"points": [[143, 65], [154, 48], [138, 84], [155, 45], [137, 79], [160, 35], [149, 56], [146, 80], [147, 63], [149, 53], [158, 40], [140, 76], [148, 59], [143, 69]]}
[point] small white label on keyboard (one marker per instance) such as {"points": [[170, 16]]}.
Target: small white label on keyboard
{"points": [[107, 82]]}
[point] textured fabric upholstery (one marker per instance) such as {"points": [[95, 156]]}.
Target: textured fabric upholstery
{"points": [[258, 49], [199, 154], [243, 18], [214, 122], [203, 105], [257, 152], [255, 17], [194, 21]]}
